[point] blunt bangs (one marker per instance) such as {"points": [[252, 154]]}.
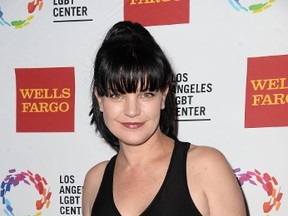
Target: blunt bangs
{"points": [[131, 67]]}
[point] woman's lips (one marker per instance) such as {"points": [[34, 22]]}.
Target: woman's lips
{"points": [[132, 125]]}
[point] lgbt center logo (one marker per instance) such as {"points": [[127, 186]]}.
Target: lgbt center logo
{"points": [[267, 182], [256, 7], [17, 14], [18, 179]]}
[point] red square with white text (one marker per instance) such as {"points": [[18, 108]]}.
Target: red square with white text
{"points": [[157, 12], [45, 99], [267, 92]]}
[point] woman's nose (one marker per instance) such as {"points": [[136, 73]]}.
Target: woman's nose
{"points": [[132, 106]]}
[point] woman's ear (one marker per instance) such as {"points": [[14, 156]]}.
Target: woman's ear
{"points": [[100, 100], [164, 95]]}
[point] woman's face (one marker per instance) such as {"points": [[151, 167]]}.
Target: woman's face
{"points": [[132, 117]]}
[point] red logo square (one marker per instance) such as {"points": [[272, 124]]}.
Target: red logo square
{"points": [[157, 12], [267, 92], [45, 99]]}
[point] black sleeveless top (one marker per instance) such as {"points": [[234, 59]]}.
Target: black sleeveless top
{"points": [[173, 198]]}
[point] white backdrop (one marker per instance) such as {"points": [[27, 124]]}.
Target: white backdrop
{"points": [[209, 55]]}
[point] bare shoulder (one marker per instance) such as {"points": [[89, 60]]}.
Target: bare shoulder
{"points": [[208, 162], [91, 186], [206, 157], [94, 175]]}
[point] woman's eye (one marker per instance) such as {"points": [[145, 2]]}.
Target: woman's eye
{"points": [[115, 96], [147, 94]]}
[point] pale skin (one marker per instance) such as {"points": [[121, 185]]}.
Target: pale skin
{"points": [[144, 156]]}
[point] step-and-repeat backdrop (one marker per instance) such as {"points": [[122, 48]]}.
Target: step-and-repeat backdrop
{"points": [[231, 68]]}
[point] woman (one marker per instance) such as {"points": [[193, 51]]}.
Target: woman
{"points": [[152, 173]]}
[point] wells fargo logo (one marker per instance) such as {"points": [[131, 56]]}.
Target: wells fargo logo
{"points": [[45, 99], [157, 12], [267, 92]]}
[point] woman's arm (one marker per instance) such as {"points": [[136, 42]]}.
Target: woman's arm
{"points": [[91, 186], [220, 193]]}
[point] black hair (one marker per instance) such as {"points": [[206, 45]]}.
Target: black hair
{"points": [[129, 57]]}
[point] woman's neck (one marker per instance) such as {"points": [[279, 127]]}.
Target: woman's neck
{"points": [[141, 155]]}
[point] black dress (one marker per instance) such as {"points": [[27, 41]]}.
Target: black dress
{"points": [[172, 199]]}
